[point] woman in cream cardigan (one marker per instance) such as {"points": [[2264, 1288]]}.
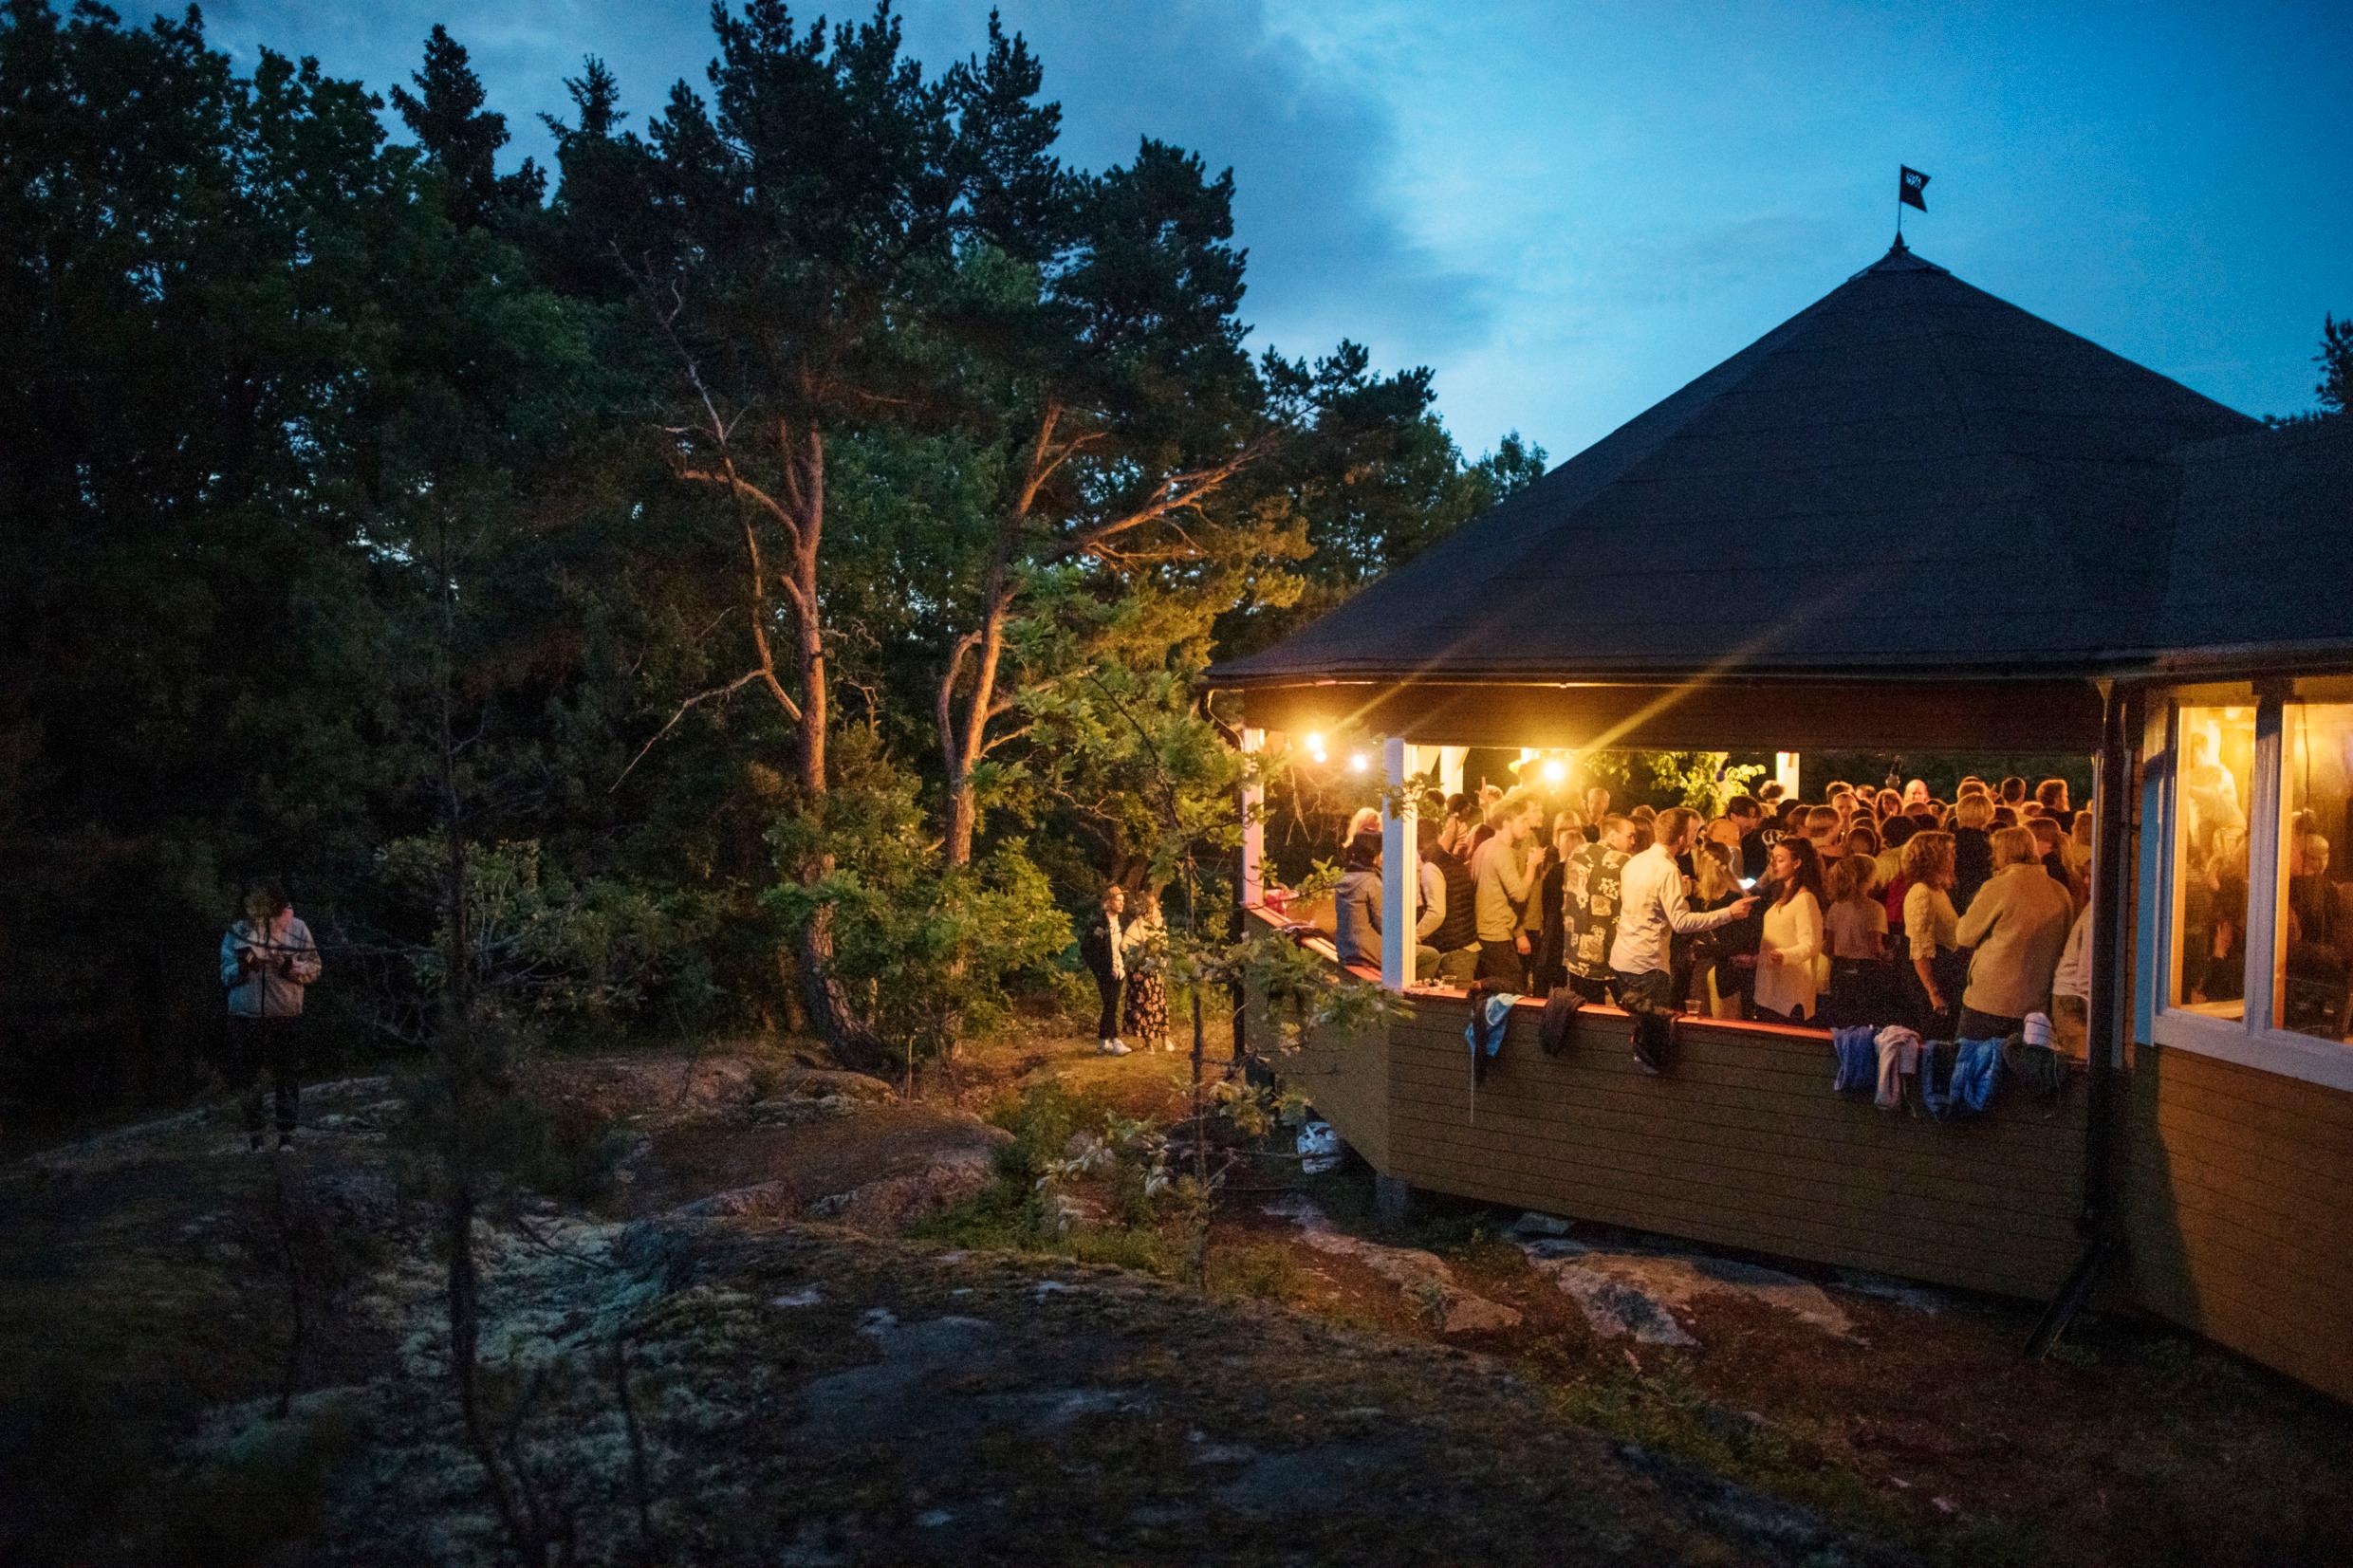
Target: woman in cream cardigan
{"points": [[1788, 975]]}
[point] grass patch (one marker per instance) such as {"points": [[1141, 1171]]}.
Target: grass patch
{"points": [[1265, 1271], [1665, 1411]]}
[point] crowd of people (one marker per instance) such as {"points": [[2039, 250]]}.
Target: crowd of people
{"points": [[1873, 906], [2316, 916]]}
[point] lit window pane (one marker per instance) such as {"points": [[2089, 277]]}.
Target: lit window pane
{"points": [[2217, 778], [2316, 898]]}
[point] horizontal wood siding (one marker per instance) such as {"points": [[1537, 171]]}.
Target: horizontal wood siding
{"points": [[2237, 1203], [1345, 1077], [1742, 1144]]}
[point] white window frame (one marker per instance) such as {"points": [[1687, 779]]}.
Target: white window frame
{"points": [[2251, 1040]]}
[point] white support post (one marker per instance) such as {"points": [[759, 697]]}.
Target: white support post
{"points": [[1400, 870], [1253, 829], [2264, 902], [1784, 773], [1451, 759]]}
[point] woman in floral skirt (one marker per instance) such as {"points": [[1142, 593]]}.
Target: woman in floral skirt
{"points": [[1145, 943]]}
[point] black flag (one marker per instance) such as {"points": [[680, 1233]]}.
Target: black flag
{"points": [[1910, 191]]}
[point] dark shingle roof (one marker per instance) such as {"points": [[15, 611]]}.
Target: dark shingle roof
{"points": [[2262, 542], [1911, 476]]}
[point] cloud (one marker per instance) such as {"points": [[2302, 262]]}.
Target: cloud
{"points": [[1312, 156]]}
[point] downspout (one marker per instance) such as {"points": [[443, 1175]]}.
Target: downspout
{"points": [[2111, 1007]]}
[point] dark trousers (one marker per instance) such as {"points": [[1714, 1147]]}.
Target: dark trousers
{"points": [[1653, 991], [1977, 1025], [1589, 988], [277, 1045], [1952, 974], [1650, 998], [1109, 988], [1501, 962]]}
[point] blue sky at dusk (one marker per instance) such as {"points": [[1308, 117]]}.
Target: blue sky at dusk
{"points": [[1568, 211]]}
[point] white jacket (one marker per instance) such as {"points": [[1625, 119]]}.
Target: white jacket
{"points": [[289, 962]]}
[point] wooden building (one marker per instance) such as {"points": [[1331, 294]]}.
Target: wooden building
{"points": [[1916, 519]]}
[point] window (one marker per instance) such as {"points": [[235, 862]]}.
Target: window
{"points": [[2310, 993], [2216, 748]]}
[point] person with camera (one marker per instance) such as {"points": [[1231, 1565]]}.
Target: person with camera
{"points": [[268, 960]]}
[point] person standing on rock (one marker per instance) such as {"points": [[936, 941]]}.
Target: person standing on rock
{"points": [[1103, 946], [266, 960]]}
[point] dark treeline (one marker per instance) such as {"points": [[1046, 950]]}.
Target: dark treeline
{"points": [[780, 539]]}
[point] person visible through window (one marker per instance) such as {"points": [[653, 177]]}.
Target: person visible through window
{"points": [[2070, 990], [2017, 927], [1590, 892], [1932, 934], [1551, 879], [1854, 931], [1863, 843], [1504, 869], [2051, 795], [1710, 885], [1655, 908], [1791, 940], [1973, 845], [1456, 936], [1748, 813]]}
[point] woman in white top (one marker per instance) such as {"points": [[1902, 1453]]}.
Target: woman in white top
{"points": [[1931, 929], [1786, 971]]}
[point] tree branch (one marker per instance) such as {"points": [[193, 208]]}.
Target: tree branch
{"points": [[729, 689]]}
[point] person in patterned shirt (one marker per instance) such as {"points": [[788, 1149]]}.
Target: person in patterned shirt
{"points": [[1589, 903]]}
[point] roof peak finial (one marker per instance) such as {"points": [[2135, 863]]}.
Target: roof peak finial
{"points": [[1899, 248]]}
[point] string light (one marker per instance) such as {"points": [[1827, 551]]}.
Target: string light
{"points": [[1357, 762]]}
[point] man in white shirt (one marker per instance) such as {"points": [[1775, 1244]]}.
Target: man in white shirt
{"points": [[1653, 908]]}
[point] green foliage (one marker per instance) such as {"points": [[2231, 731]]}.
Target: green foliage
{"points": [[2335, 388], [332, 456], [939, 950], [547, 946], [1703, 780]]}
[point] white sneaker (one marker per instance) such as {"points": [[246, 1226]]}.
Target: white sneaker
{"points": [[1113, 1048]]}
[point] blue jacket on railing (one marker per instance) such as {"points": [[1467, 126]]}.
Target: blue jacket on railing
{"points": [[1936, 1076], [1976, 1075], [1858, 1053]]}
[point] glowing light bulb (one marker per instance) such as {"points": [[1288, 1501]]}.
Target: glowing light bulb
{"points": [[1315, 743], [1555, 770], [1358, 763]]}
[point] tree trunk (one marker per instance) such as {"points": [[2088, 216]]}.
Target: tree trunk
{"points": [[964, 743], [831, 1013]]}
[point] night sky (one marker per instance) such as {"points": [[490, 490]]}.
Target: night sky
{"points": [[1568, 211]]}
